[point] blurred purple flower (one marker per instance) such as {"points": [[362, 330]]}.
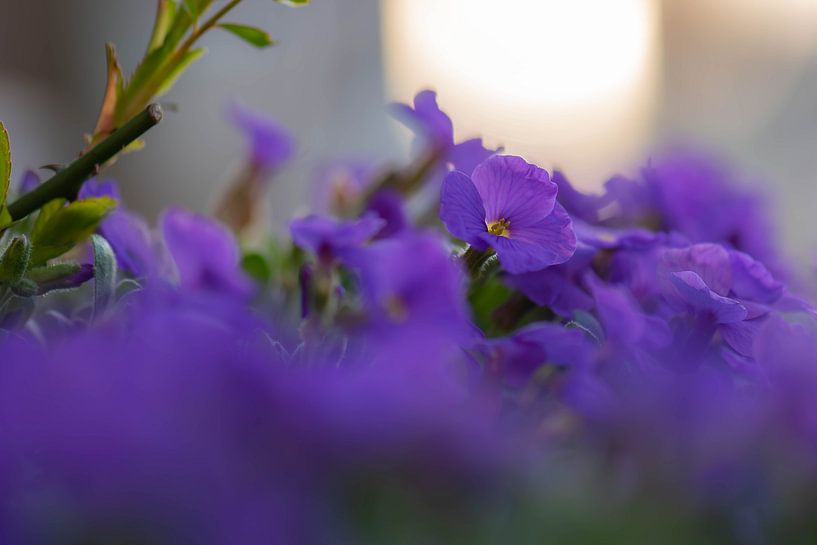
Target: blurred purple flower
{"points": [[270, 145], [96, 187], [411, 290], [132, 243], [510, 206], [205, 254], [339, 185], [389, 206], [701, 198], [28, 182], [329, 238], [435, 127]]}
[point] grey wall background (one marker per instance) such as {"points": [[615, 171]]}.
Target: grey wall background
{"points": [[747, 98]]}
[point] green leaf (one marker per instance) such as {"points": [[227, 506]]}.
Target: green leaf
{"points": [[293, 3], [5, 164], [189, 58], [15, 260], [45, 214], [252, 35], [61, 276], [165, 15], [104, 275], [257, 267], [50, 273], [193, 8], [68, 226], [5, 218]]}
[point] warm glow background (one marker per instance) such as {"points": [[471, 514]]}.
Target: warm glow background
{"points": [[588, 85], [572, 83]]}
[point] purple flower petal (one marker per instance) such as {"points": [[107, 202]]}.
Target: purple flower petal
{"points": [[329, 238], [461, 209], [553, 288], [578, 205], [549, 242], [514, 190], [426, 119], [388, 206], [205, 254], [465, 156], [710, 261], [270, 144], [741, 335], [752, 280], [99, 188], [692, 289], [131, 241]]}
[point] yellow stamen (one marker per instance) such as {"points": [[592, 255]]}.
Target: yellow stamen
{"points": [[396, 308], [500, 228]]}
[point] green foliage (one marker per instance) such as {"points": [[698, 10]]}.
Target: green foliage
{"points": [[485, 300], [257, 267], [46, 274], [15, 261], [252, 35], [104, 275], [5, 164], [67, 226], [165, 16], [178, 69], [293, 3]]}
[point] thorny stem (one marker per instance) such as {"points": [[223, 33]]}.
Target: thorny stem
{"points": [[65, 184]]}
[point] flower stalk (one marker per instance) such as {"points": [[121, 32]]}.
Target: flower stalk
{"points": [[66, 183]]}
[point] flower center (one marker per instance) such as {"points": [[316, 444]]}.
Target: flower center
{"points": [[500, 228], [396, 308]]}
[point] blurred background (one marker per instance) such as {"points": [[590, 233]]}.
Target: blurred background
{"points": [[591, 86]]}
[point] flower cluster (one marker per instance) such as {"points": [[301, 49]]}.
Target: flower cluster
{"points": [[467, 349]]}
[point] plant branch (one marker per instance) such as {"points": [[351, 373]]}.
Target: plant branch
{"points": [[67, 182]]}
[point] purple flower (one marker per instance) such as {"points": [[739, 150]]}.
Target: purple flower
{"points": [[435, 127], [331, 239], [427, 119], [701, 198], [100, 188], [520, 355], [577, 204], [205, 254], [28, 182], [389, 206], [559, 287], [510, 206], [132, 243], [270, 145], [339, 186], [411, 291]]}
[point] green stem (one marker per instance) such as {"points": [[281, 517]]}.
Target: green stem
{"points": [[474, 260], [66, 183]]}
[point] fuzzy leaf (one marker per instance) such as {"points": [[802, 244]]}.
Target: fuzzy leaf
{"points": [[61, 276], [252, 35], [5, 163], [15, 260], [68, 226], [104, 275]]}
